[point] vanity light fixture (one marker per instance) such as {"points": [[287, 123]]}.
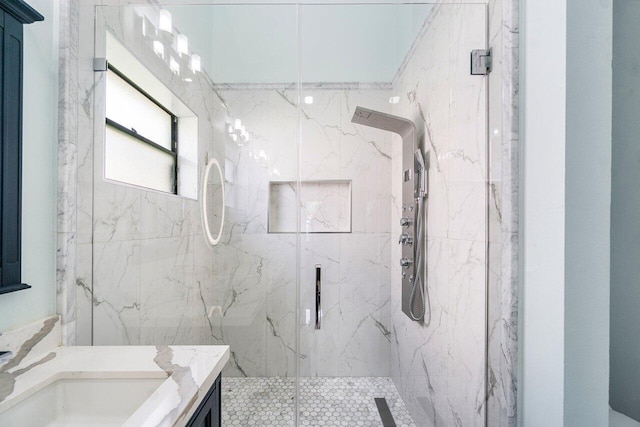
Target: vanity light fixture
{"points": [[182, 44], [238, 132], [158, 48], [196, 63], [174, 66], [165, 21]]}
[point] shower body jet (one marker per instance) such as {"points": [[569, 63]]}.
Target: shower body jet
{"points": [[414, 192]]}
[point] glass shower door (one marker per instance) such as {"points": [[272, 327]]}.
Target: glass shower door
{"points": [[363, 360], [228, 75]]}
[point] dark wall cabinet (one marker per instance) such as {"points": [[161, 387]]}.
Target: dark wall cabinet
{"points": [[13, 15], [209, 412]]}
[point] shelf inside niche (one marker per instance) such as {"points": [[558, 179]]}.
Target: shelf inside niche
{"points": [[325, 206]]}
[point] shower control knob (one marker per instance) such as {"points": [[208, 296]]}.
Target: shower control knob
{"points": [[405, 222], [405, 239], [405, 262]]}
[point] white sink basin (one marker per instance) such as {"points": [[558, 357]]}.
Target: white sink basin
{"points": [[81, 402]]}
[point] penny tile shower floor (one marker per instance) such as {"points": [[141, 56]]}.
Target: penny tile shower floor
{"points": [[330, 401]]}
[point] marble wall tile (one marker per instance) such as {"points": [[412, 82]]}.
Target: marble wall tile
{"points": [[320, 349], [65, 289], [365, 327], [164, 216], [84, 294], [240, 290], [67, 169], [438, 364], [166, 287], [116, 293], [281, 332]]}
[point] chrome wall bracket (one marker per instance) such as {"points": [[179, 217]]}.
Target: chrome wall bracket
{"points": [[100, 64], [481, 62]]}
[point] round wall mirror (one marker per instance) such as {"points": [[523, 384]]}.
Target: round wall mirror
{"points": [[213, 202]]}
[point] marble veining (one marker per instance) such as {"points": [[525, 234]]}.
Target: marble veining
{"points": [[438, 365], [190, 373], [31, 344]]}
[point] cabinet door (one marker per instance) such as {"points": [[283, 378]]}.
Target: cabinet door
{"points": [[10, 167], [209, 412]]}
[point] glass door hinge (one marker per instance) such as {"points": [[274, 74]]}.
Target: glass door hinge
{"points": [[100, 64], [481, 62]]}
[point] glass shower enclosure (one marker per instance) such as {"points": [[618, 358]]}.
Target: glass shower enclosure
{"points": [[295, 262]]}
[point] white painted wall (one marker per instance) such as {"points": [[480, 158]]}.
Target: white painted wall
{"points": [[541, 385], [566, 118], [587, 221], [258, 43], [625, 204], [40, 136]]}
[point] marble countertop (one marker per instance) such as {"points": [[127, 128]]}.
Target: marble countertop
{"points": [[190, 372]]}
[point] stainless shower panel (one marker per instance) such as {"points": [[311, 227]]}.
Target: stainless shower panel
{"points": [[413, 193], [375, 119]]}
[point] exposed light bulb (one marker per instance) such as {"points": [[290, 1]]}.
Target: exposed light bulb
{"points": [[182, 44], [308, 99], [174, 66], [394, 100], [165, 21], [158, 48], [196, 63], [238, 124]]}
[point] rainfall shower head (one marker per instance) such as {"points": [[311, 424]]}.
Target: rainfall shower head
{"points": [[383, 121]]}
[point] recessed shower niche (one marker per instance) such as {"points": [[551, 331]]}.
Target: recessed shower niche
{"points": [[325, 206]]}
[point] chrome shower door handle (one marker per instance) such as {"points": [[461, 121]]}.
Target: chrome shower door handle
{"points": [[318, 296]]}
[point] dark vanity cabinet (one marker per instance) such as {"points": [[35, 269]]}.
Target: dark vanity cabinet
{"points": [[209, 412], [13, 15]]}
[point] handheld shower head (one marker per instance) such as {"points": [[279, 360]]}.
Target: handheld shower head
{"points": [[420, 186]]}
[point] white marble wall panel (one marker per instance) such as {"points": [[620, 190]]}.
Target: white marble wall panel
{"points": [[116, 293], [320, 350], [143, 243], [365, 314], [281, 328], [84, 294], [439, 363], [332, 148], [67, 170]]}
